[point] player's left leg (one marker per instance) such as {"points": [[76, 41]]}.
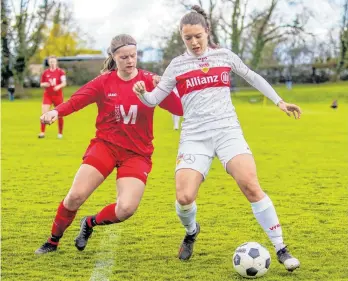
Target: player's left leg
{"points": [[57, 101], [233, 151], [131, 181], [243, 169]]}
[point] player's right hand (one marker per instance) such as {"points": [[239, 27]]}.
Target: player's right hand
{"points": [[49, 117], [139, 88]]}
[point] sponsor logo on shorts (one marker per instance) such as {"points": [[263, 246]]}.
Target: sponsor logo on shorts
{"points": [[189, 158]]}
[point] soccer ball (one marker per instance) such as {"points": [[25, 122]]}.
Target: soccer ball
{"points": [[251, 260]]}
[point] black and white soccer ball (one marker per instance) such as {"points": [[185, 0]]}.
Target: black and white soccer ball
{"points": [[251, 260]]}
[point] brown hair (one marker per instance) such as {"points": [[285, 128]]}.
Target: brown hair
{"points": [[116, 43], [198, 16]]}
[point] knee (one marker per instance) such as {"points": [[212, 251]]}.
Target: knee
{"points": [[73, 201], [250, 186], [125, 210], [184, 198]]}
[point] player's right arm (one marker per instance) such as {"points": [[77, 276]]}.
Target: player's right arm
{"points": [[86, 95], [43, 82], [162, 90]]}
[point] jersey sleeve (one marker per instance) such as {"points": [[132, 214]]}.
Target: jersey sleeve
{"points": [[62, 75], [171, 103], [86, 95], [254, 79], [163, 89]]}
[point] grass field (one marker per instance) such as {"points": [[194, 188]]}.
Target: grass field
{"points": [[302, 165]]}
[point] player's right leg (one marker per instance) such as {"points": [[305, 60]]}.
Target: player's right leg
{"points": [[191, 169], [187, 185], [87, 179], [98, 163], [46, 104]]}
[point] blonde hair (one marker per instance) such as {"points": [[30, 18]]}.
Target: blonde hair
{"points": [[198, 16], [116, 43]]}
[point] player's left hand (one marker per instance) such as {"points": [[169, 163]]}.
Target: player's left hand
{"points": [[56, 88], [289, 108], [156, 79], [139, 88]]}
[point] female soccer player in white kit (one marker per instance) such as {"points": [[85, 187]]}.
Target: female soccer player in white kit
{"points": [[211, 128]]}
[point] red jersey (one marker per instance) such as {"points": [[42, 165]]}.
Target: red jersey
{"points": [[54, 77], [123, 119]]}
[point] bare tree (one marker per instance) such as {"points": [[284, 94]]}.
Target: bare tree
{"points": [[27, 32], [236, 25], [5, 43], [266, 30], [343, 42]]}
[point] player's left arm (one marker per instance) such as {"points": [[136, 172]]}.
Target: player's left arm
{"points": [[258, 82]]}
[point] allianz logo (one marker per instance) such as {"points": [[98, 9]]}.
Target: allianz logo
{"points": [[112, 95], [195, 81]]}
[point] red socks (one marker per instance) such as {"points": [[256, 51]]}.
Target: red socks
{"points": [[60, 125], [63, 219], [106, 216]]}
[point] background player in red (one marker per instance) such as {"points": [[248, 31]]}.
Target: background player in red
{"points": [[123, 140], [53, 80]]}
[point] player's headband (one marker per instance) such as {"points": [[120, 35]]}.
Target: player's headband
{"points": [[113, 51]]}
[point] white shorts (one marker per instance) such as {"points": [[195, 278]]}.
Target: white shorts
{"points": [[198, 151]]}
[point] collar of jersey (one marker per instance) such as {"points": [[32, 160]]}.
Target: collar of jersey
{"points": [[127, 81], [202, 55]]}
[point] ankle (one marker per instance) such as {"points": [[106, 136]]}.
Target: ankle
{"points": [[279, 246], [91, 221]]}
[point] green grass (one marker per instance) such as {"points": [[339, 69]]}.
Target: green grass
{"points": [[302, 165]]}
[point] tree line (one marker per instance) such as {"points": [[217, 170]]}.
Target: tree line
{"points": [[264, 37]]}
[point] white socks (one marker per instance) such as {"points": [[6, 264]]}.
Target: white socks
{"points": [[266, 215], [187, 216]]}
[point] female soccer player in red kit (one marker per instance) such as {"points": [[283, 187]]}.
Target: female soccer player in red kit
{"points": [[123, 140], [52, 80]]}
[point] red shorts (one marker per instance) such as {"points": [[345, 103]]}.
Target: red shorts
{"points": [[50, 99], [105, 157]]}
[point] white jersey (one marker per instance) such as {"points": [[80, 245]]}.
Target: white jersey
{"points": [[203, 83]]}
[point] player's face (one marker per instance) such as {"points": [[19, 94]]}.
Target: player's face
{"points": [[126, 59], [52, 62], [195, 38]]}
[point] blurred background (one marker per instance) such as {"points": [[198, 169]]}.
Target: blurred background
{"points": [[286, 41]]}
